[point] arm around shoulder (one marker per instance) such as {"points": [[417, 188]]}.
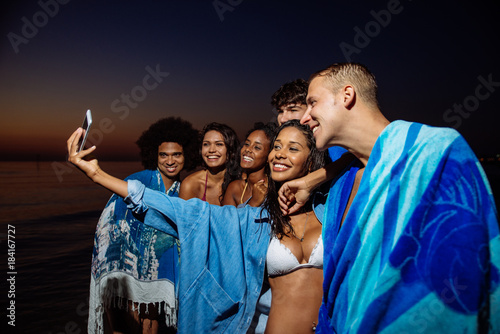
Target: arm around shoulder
{"points": [[294, 194]]}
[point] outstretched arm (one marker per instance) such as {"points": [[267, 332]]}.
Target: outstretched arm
{"points": [[90, 166], [294, 194]]}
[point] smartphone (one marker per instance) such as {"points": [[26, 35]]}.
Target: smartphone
{"points": [[87, 122]]}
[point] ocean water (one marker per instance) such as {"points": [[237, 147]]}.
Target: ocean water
{"points": [[53, 209]]}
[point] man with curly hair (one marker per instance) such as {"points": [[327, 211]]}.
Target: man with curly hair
{"points": [[170, 146], [135, 268], [290, 100]]}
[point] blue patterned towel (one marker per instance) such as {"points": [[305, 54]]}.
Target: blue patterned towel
{"points": [[419, 250], [131, 261]]}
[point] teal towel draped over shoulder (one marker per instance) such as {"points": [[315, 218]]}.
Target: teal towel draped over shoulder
{"points": [[419, 250]]}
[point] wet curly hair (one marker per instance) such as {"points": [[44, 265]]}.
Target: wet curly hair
{"points": [[293, 92], [280, 224], [169, 129], [233, 154]]}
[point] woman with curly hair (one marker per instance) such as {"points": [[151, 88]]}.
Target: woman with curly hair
{"points": [[225, 250], [135, 268], [252, 187], [219, 151]]}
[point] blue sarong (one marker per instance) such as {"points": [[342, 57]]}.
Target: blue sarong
{"points": [[132, 261], [419, 250]]}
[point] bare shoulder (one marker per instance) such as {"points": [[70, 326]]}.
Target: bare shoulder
{"points": [[234, 189], [194, 177], [236, 185], [192, 185]]}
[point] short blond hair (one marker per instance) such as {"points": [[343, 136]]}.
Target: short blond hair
{"points": [[339, 75]]}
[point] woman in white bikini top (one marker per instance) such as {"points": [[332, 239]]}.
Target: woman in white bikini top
{"points": [[281, 261], [295, 254]]}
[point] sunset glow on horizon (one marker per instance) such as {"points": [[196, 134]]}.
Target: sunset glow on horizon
{"points": [[132, 64]]}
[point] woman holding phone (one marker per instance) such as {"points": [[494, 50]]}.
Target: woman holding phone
{"points": [[223, 268]]}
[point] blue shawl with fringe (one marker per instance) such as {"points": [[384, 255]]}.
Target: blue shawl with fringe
{"points": [[132, 261], [419, 250]]}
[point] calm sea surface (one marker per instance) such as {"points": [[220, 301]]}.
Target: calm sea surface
{"points": [[54, 209]]}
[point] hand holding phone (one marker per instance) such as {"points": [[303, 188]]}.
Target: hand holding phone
{"points": [[87, 122]]}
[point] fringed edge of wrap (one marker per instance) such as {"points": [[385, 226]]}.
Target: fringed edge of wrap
{"points": [[116, 289]]}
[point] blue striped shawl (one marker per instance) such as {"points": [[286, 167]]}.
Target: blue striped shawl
{"points": [[419, 250]]}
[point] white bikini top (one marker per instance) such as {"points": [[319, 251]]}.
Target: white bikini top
{"points": [[280, 260]]}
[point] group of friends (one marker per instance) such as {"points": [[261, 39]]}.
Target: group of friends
{"points": [[333, 220]]}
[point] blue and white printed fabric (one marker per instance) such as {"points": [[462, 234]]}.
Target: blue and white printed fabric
{"points": [[132, 261], [419, 250]]}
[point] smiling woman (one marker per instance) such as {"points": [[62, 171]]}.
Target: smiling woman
{"points": [[226, 257], [252, 187], [295, 254], [220, 158]]}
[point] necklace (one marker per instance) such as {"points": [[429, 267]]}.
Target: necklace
{"points": [[244, 189], [304, 233]]}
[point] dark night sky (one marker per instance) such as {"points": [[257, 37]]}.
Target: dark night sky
{"points": [[224, 66]]}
